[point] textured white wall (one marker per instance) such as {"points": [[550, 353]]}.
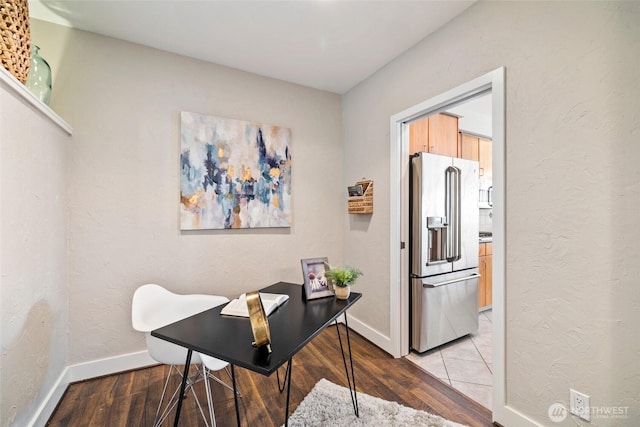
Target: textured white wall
{"points": [[33, 261], [572, 184], [124, 101], [573, 188]]}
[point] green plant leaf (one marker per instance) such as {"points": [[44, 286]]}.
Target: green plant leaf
{"points": [[343, 277]]}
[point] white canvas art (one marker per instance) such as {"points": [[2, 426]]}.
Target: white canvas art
{"points": [[233, 174]]}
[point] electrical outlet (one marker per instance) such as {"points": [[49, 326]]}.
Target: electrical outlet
{"points": [[579, 404]]}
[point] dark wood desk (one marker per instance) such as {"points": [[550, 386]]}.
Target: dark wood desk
{"points": [[292, 326]]}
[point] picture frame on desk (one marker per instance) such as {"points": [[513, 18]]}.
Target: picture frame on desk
{"points": [[316, 284]]}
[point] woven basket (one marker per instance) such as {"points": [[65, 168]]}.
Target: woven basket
{"points": [[362, 204], [15, 37]]}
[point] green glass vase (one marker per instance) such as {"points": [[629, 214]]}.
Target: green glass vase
{"points": [[39, 78]]}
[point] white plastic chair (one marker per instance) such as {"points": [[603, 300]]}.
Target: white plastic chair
{"points": [[153, 307]]}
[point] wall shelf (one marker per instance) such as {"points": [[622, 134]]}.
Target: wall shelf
{"points": [[362, 204], [11, 83]]}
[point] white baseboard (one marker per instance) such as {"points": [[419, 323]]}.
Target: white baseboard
{"points": [[511, 417], [85, 371], [110, 365], [48, 405], [380, 340]]}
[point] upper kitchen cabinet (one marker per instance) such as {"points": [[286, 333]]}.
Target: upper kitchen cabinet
{"points": [[437, 134], [484, 157], [469, 148], [478, 149]]}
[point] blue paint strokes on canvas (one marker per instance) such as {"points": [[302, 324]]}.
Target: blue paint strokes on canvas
{"points": [[189, 175], [267, 185], [233, 175]]}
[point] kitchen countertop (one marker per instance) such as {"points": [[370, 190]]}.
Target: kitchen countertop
{"points": [[485, 238]]}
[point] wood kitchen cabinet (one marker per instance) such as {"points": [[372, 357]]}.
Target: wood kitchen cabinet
{"points": [[436, 134], [478, 149], [484, 157], [485, 287]]}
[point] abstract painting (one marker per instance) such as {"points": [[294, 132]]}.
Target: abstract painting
{"points": [[233, 174]]}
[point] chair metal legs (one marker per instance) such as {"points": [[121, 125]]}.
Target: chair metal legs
{"points": [[207, 387], [207, 374], [192, 379], [219, 381]]}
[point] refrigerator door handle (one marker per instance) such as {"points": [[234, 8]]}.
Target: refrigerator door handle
{"points": [[448, 282], [452, 212]]}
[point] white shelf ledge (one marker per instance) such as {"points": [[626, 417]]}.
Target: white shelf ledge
{"points": [[12, 83]]}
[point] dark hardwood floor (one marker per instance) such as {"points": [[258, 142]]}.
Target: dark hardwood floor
{"points": [[131, 398]]}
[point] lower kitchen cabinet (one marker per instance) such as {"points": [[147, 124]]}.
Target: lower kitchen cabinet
{"points": [[486, 270]]}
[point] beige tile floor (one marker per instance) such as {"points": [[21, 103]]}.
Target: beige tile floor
{"points": [[464, 364]]}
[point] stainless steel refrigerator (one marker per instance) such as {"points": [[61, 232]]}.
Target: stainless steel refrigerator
{"points": [[444, 249]]}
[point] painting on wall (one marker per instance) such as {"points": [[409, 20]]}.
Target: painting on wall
{"points": [[233, 174]]}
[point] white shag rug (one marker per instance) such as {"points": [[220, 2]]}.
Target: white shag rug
{"points": [[329, 404]]}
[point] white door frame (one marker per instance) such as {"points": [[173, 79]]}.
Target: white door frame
{"points": [[399, 203]]}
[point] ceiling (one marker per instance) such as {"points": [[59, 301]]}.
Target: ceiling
{"points": [[326, 44], [478, 105], [475, 115]]}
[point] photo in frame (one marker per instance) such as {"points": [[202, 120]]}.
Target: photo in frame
{"points": [[316, 283], [355, 190]]}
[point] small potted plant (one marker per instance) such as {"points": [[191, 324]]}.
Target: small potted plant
{"points": [[342, 279]]}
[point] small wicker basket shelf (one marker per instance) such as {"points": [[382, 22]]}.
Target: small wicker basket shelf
{"points": [[15, 38], [362, 204]]}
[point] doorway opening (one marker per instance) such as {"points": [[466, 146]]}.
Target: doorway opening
{"points": [[492, 83], [459, 350]]}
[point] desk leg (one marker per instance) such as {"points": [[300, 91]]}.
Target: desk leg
{"points": [[235, 395], [350, 379], [288, 375], [185, 377]]}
